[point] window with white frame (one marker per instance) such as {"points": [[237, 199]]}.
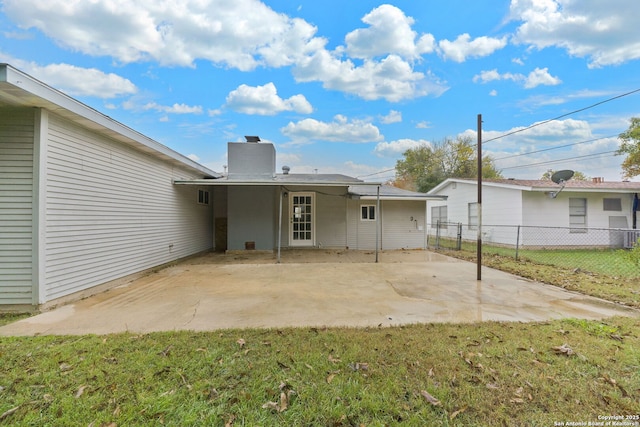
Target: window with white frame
{"points": [[368, 212], [438, 215], [577, 215], [473, 216], [203, 197]]}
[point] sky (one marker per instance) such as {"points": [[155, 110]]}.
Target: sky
{"points": [[347, 86]]}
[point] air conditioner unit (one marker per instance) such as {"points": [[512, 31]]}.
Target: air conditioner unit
{"points": [[630, 238]]}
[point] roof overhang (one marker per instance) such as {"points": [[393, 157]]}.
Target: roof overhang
{"points": [[18, 89], [268, 183]]}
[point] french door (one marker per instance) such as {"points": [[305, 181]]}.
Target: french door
{"points": [[302, 219]]}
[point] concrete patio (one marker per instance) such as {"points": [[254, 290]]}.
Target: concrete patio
{"points": [[313, 288]]}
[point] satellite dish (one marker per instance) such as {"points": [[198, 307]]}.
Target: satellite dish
{"points": [[561, 177]]}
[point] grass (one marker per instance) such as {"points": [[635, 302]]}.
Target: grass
{"points": [[511, 374]]}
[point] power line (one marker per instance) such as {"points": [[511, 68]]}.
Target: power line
{"points": [[561, 116], [594, 155], [376, 173], [553, 148]]}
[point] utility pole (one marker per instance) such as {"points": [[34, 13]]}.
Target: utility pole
{"points": [[479, 242]]}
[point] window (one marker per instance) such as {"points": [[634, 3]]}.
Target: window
{"points": [[203, 197], [612, 205], [368, 212], [473, 216], [578, 215], [439, 213]]}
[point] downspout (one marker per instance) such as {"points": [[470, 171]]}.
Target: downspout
{"points": [[377, 220], [280, 226]]}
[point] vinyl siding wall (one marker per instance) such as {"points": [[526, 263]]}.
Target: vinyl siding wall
{"points": [[403, 224], [112, 211], [16, 206]]}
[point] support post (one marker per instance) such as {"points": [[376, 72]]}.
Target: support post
{"points": [[280, 226], [479, 243], [377, 221]]}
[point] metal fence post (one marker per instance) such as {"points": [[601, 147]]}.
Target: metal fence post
{"points": [[517, 242], [438, 234], [459, 237]]}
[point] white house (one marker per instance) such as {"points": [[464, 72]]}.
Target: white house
{"points": [[255, 207], [578, 213], [86, 202]]}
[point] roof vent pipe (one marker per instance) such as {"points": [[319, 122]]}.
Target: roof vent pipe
{"points": [[285, 170]]}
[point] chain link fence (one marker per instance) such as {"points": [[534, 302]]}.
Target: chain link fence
{"points": [[608, 251]]}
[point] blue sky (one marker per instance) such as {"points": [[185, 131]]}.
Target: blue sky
{"points": [[346, 86]]}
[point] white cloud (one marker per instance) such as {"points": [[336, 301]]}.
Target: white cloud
{"points": [[398, 147], [493, 93], [174, 109], [339, 130], [240, 34], [539, 76], [389, 32], [603, 31], [75, 81], [392, 78], [194, 157], [393, 117], [463, 47], [264, 101], [423, 125]]}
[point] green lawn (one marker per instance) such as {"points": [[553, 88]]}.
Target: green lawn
{"points": [[489, 374]]}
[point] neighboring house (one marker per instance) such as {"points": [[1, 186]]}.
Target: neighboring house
{"points": [[575, 212], [255, 207], [86, 202]]}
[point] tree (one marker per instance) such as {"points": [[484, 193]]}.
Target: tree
{"points": [[577, 176], [424, 167], [631, 147]]}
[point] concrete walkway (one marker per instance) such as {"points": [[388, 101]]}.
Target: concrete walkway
{"points": [[314, 288]]}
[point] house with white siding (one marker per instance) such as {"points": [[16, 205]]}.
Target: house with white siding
{"points": [[255, 207], [87, 202], [574, 214]]}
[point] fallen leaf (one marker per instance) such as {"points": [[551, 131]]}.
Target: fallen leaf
{"points": [[308, 366], [359, 366], [563, 349], [333, 359], [430, 399], [330, 378], [166, 351], [270, 405], [9, 412], [65, 367], [284, 402], [241, 342], [457, 412], [492, 386], [430, 372], [230, 421], [81, 390], [516, 400]]}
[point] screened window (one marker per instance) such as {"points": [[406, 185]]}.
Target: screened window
{"points": [[473, 216], [439, 213], [612, 205], [203, 197], [578, 215], [368, 212]]}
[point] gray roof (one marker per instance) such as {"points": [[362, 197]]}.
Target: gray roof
{"points": [[18, 89], [389, 192], [292, 179], [593, 185]]}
